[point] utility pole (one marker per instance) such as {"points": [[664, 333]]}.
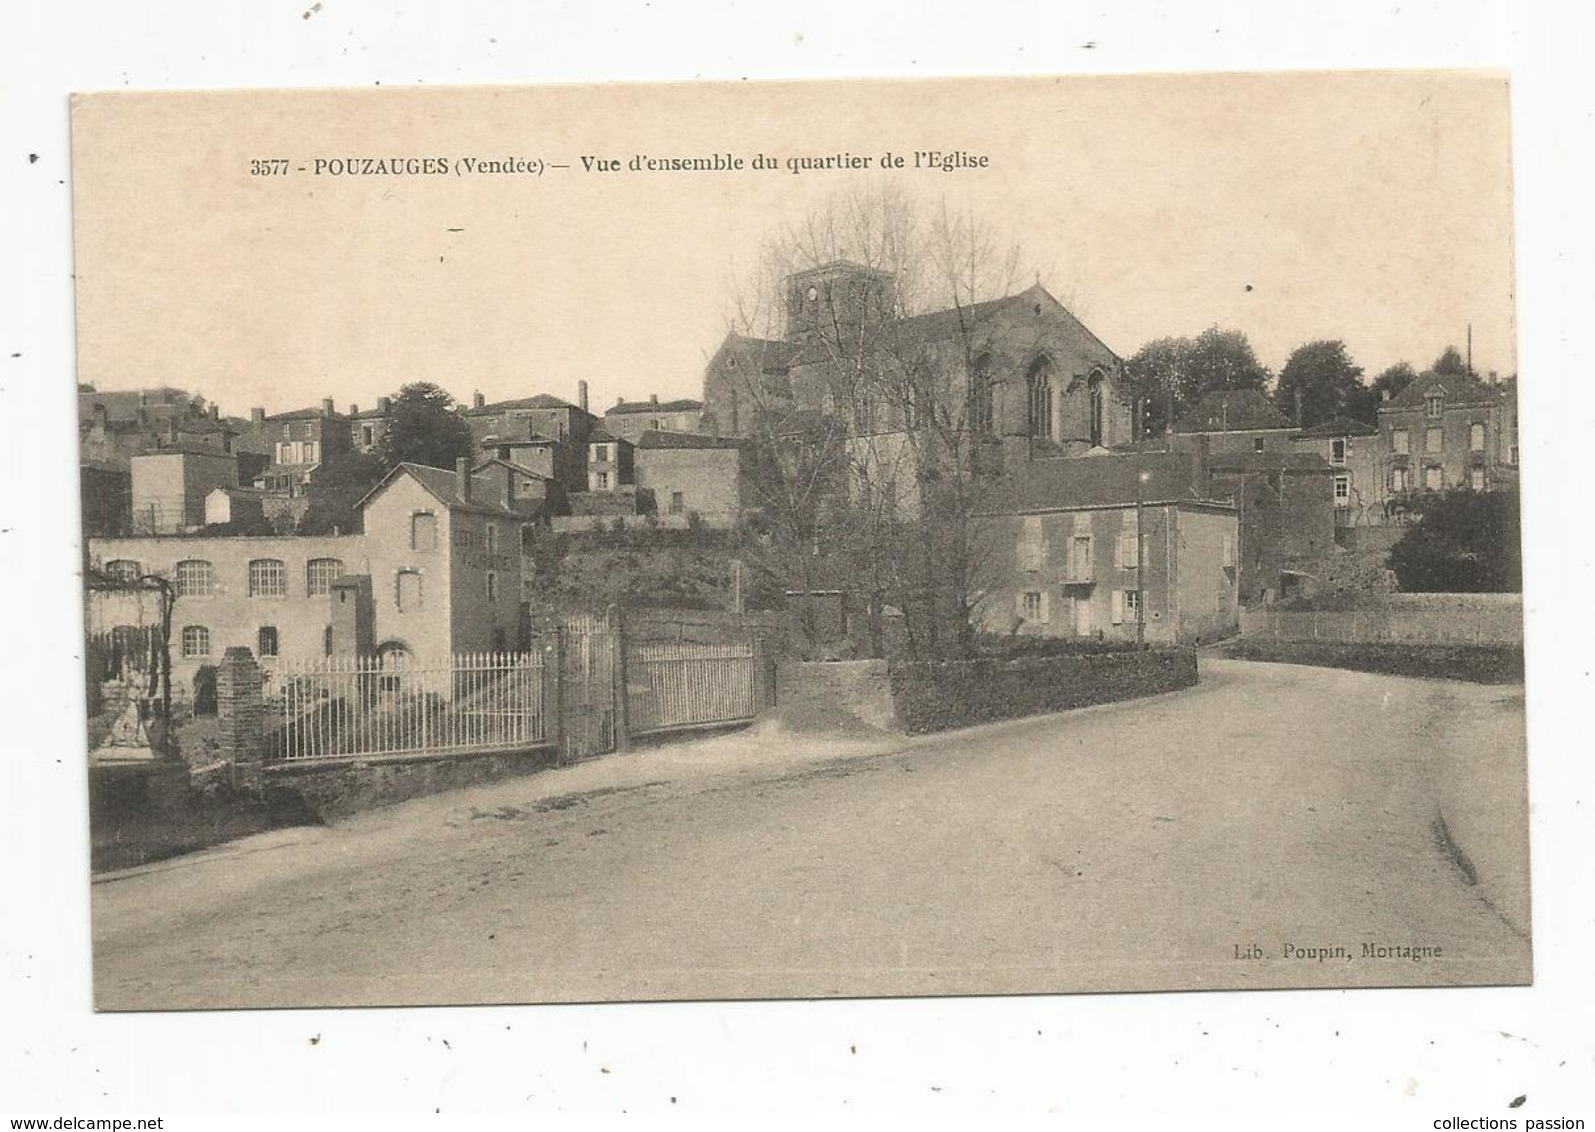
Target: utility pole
{"points": [[1140, 547]]}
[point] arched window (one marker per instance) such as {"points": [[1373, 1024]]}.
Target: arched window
{"points": [[980, 396], [1094, 392], [267, 578], [1039, 383], [408, 590], [124, 570], [320, 574], [195, 578]]}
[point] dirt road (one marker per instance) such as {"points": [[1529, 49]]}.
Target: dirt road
{"points": [[1255, 831]]}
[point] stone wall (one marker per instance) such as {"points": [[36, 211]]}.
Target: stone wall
{"points": [[333, 789], [941, 696]]}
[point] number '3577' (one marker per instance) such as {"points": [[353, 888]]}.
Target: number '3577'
{"points": [[269, 167]]}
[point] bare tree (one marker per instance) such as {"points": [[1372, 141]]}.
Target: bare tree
{"points": [[867, 356]]}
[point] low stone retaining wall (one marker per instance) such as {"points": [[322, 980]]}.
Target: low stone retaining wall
{"points": [[941, 696], [338, 787]]}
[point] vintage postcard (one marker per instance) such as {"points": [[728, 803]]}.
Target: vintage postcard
{"points": [[799, 540]]}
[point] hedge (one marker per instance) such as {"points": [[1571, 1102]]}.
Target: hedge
{"points": [[1480, 664], [938, 696]]}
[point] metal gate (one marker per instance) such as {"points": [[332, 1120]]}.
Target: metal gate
{"points": [[587, 647]]}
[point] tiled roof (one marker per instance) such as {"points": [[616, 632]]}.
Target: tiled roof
{"points": [[604, 436], [305, 414], [538, 401], [660, 438], [444, 484], [1267, 462], [1459, 390], [1232, 410], [684, 405], [530, 440], [1337, 426], [772, 354], [1107, 481], [521, 469]]}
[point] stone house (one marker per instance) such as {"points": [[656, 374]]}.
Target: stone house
{"points": [[299, 440], [168, 488], [436, 571], [559, 426], [1449, 431], [1233, 420], [1285, 503], [611, 462], [1360, 466], [630, 419], [694, 474], [1071, 553]]}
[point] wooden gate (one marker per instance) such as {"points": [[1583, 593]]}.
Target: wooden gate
{"points": [[587, 646]]}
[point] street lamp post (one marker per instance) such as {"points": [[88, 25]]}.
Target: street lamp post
{"points": [[1140, 545]]}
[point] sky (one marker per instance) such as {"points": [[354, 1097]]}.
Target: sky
{"points": [[1372, 207]]}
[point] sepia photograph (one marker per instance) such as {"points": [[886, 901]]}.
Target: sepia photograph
{"points": [[800, 540]]}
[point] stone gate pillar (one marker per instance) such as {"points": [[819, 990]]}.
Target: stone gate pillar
{"points": [[241, 718]]}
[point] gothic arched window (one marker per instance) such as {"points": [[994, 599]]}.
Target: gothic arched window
{"points": [[1094, 390], [1040, 387]]}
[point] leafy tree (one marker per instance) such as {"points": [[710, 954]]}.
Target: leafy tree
{"points": [[1173, 373], [1319, 381], [425, 428], [1160, 372], [1465, 542], [1450, 364], [336, 487], [1224, 359], [1394, 378]]}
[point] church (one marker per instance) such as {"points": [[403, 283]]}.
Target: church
{"points": [[1020, 372]]}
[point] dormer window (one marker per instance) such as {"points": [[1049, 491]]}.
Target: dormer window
{"points": [[601, 453], [1434, 406]]}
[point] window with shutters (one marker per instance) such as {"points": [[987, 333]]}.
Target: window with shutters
{"points": [[1433, 440], [1032, 606], [1082, 567], [1227, 552], [1032, 545], [1129, 547], [1337, 451], [1398, 479], [1476, 479], [1400, 442], [1434, 477], [1476, 437]]}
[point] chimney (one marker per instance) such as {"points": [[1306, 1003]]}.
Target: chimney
{"points": [[143, 398], [382, 405], [326, 406], [257, 418], [619, 401], [653, 398], [1384, 394], [581, 394], [102, 418], [215, 412], [462, 478], [477, 400], [354, 410]]}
